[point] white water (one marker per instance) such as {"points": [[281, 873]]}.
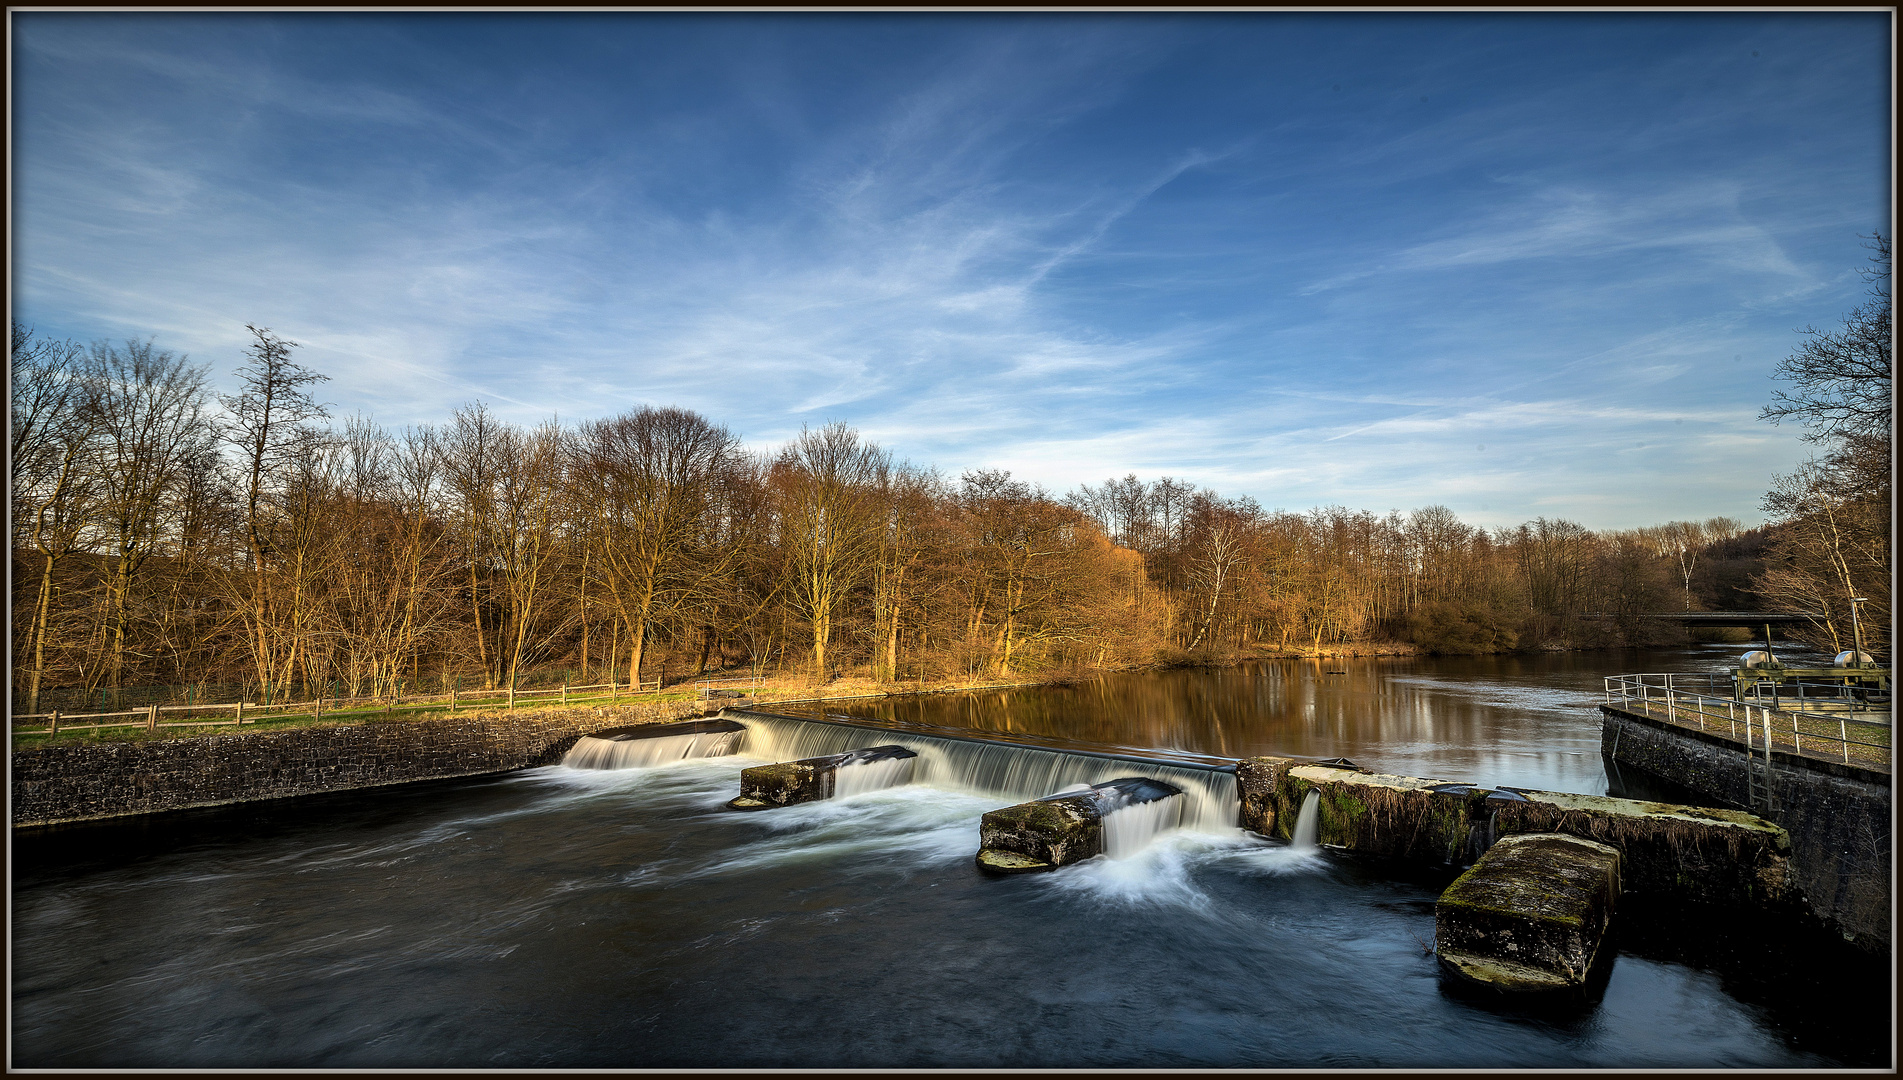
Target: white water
{"points": [[1308, 822], [1016, 773], [592, 753], [859, 777], [1129, 829]]}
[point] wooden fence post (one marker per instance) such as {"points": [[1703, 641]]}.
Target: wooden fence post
{"points": [[54, 730], [240, 718], [455, 686], [614, 690], [511, 695], [564, 693], [151, 718]]}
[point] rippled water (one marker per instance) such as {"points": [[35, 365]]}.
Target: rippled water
{"points": [[568, 918]]}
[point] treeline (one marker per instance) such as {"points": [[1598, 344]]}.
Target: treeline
{"points": [[165, 534]]}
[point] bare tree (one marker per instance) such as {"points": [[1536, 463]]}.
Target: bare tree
{"points": [[1833, 513], [1840, 379], [1216, 534], [266, 426], [908, 504], [55, 423], [472, 457], [151, 406], [649, 480], [828, 483]]}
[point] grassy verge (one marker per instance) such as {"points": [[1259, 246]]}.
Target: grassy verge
{"points": [[256, 720]]}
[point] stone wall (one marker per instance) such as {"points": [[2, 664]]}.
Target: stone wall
{"points": [[85, 781], [1838, 815]]}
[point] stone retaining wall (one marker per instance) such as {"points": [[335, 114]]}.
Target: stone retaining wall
{"points": [[1838, 815], [85, 781]]}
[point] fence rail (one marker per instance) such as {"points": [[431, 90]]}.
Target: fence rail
{"points": [[57, 721], [1682, 699], [709, 687]]}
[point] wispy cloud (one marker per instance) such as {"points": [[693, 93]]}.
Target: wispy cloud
{"points": [[1070, 248]]}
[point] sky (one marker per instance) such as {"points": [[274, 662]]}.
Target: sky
{"points": [[1518, 265]]}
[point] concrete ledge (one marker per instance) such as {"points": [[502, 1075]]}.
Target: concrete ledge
{"points": [[1401, 817], [1726, 857], [90, 781], [1531, 914]]}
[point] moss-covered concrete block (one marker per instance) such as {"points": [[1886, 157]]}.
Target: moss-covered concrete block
{"points": [[1257, 782], [785, 784], [813, 779], [1531, 914], [1397, 817], [1041, 835], [1725, 857]]}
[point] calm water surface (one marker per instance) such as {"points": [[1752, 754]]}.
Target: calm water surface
{"points": [[1523, 721], [557, 918]]}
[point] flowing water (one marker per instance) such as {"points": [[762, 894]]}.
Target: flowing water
{"points": [[859, 777], [636, 753], [565, 917], [1307, 823]]}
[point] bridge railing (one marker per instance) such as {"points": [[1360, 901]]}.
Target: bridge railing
{"points": [[1688, 699]]}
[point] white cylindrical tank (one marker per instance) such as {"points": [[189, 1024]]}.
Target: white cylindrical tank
{"points": [[1755, 658], [1849, 657]]}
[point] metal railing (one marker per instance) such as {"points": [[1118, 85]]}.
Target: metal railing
{"points": [[1685, 699]]}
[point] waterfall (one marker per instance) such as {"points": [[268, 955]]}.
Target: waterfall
{"points": [[633, 752], [1308, 822], [858, 777], [1007, 772], [1129, 829]]}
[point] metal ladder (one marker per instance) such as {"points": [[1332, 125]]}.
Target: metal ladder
{"points": [[1761, 780]]}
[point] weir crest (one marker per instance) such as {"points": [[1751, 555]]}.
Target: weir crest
{"points": [[1009, 772]]}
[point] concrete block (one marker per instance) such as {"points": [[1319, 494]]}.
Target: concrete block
{"points": [[1531, 914], [789, 783], [1047, 833]]}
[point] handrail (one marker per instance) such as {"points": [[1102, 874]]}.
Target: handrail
{"points": [[1763, 725]]}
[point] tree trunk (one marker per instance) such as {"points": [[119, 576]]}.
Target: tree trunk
{"points": [[39, 634]]}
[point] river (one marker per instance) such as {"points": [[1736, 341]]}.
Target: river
{"points": [[555, 918]]}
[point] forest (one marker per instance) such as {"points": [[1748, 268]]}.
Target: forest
{"points": [[164, 534]]}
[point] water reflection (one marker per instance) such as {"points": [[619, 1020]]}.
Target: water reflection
{"points": [[1520, 720]]}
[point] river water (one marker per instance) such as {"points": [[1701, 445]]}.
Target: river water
{"points": [[558, 917]]}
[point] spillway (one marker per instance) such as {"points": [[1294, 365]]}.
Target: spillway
{"points": [[654, 744], [1011, 772]]}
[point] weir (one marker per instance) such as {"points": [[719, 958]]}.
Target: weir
{"points": [[654, 744], [980, 766]]}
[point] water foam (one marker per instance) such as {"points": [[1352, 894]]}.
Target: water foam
{"points": [[592, 753], [998, 771]]}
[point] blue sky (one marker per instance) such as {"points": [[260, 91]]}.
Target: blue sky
{"points": [[1516, 264]]}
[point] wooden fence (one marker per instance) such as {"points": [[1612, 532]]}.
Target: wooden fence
{"points": [[252, 712]]}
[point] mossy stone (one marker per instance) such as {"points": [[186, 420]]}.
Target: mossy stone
{"points": [[1539, 902], [1053, 832]]}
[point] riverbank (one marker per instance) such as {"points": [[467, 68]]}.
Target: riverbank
{"points": [[88, 781]]}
